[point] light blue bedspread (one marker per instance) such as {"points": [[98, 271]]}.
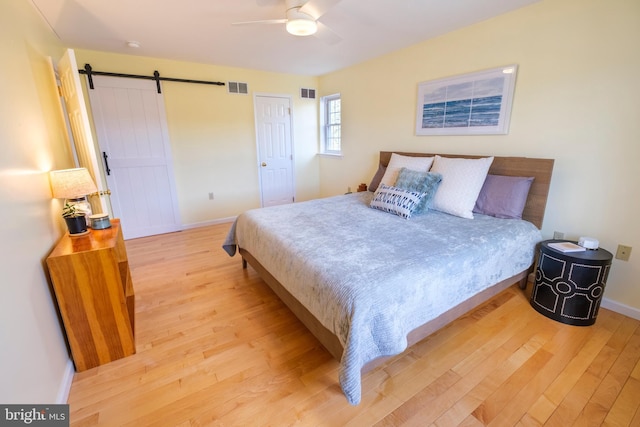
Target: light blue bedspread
{"points": [[370, 276]]}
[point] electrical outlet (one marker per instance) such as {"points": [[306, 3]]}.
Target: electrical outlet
{"points": [[623, 253], [210, 196], [558, 235]]}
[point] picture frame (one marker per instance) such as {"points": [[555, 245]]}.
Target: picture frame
{"points": [[477, 103]]}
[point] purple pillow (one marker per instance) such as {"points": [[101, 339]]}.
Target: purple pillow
{"points": [[503, 196]]}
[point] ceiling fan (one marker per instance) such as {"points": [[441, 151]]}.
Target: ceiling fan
{"points": [[302, 19]]}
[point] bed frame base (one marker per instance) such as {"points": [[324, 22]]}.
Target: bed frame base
{"points": [[324, 335], [331, 342]]}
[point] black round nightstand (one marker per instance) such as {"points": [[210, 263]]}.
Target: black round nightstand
{"points": [[569, 285]]}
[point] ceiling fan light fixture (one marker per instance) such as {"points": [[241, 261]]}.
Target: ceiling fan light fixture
{"points": [[302, 27]]}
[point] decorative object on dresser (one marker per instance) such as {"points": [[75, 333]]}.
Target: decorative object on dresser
{"points": [[76, 221], [99, 221], [570, 282], [73, 185], [93, 288]]}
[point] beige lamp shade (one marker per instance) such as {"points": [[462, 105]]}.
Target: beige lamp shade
{"points": [[71, 183]]}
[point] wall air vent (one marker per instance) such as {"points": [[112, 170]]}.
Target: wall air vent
{"points": [[238, 87], [307, 93]]}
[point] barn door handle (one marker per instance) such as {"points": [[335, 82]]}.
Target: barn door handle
{"points": [[106, 163]]}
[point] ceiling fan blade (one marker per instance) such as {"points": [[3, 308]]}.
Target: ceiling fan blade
{"points": [[326, 34], [317, 8], [266, 21]]}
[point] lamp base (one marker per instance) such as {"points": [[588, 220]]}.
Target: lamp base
{"points": [[82, 206]]}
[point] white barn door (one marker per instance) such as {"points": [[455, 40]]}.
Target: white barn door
{"points": [[130, 122], [275, 149]]}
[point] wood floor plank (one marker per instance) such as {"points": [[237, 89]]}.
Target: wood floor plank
{"points": [[612, 385], [502, 346], [573, 354], [580, 362], [526, 394], [460, 393], [539, 412], [215, 347], [431, 361], [500, 399], [626, 405], [475, 388], [591, 398]]}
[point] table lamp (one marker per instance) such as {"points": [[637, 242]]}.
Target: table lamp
{"points": [[73, 185]]}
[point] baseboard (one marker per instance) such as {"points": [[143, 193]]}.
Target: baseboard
{"points": [[65, 384], [632, 312], [205, 223]]}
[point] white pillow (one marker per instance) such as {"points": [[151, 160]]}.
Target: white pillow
{"points": [[397, 162], [461, 183]]}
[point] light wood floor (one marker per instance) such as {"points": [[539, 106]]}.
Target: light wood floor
{"points": [[216, 347]]}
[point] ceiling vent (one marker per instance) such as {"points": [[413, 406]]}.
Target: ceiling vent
{"points": [[307, 93], [238, 87]]}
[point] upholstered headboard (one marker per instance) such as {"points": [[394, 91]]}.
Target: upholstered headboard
{"points": [[540, 169]]}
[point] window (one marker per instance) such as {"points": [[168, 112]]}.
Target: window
{"points": [[330, 119]]}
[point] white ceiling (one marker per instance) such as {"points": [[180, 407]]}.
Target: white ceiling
{"points": [[201, 30]]}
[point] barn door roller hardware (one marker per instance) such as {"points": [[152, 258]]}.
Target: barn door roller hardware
{"points": [[156, 76]]}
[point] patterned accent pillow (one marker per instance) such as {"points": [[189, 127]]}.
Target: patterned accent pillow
{"points": [[420, 182], [395, 200], [462, 180], [399, 161]]}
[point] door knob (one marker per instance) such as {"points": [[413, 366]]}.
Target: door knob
{"points": [[264, 164]]}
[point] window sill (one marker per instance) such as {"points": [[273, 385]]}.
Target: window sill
{"points": [[331, 155]]}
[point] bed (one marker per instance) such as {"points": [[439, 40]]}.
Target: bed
{"points": [[368, 284]]}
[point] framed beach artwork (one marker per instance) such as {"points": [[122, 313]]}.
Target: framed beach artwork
{"points": [[470, 104]]}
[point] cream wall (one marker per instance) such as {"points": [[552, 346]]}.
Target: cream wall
{"points": [[213, 133], [33, 355], [576, 100]]}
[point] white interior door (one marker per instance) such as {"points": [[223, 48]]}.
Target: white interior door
{"points": [[130, 121], [275, 149], [76, 108]]}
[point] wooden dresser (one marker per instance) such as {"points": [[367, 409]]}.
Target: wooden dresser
{"points": [[92, 283]]}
